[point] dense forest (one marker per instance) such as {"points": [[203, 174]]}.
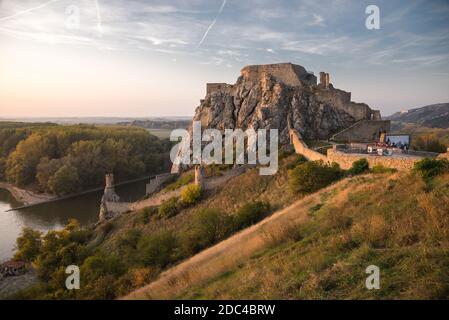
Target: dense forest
{"points": [[67, 159]]}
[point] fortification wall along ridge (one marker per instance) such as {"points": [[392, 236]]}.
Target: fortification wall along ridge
{"points": [[345, 160]]}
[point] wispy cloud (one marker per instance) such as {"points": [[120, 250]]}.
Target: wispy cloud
{"points": [[252, 33], [317, 20], [23, 12], [212, 24]]}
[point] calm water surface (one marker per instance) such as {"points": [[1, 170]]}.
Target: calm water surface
{"points": [[53, 215]]}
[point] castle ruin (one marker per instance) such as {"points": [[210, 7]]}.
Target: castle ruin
{"points": [[109, 197], [324, 80], [286, 96], [347, 113]]}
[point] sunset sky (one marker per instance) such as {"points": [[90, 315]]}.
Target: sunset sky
{"points": [[139, 58]]}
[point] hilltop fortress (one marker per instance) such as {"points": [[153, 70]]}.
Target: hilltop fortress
{"points": [[286, 96]]}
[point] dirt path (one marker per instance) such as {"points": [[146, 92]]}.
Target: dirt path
{"points": [[229, 253], [209, 183], [25, 196]]}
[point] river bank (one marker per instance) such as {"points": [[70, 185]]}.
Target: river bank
{"points": [[26, 197]]}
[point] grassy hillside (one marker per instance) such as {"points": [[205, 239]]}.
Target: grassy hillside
{"points": [[394, 221], [263, 237]]}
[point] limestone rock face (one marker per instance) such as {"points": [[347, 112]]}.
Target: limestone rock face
{"points": [[280, 96]]}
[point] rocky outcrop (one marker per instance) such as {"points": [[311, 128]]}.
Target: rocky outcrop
{"points": [[281, 96]]}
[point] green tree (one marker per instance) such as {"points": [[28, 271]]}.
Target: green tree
{"points": [[169, 208], [65, 180], [211, 225], [21, 164], [358, 167], [46, 170], [313, 175], [250, 213], [158, 249], [28, 245], [428, 168]]}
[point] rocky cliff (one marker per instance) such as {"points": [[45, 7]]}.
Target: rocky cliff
{"points": [[281, 96]]}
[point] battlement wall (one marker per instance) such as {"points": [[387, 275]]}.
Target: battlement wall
{"points": [[290, 74]]}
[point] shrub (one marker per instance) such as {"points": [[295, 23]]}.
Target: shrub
{"points": [[183, 180], [191, 194], [428, 168], [102, 264], [299, 159], [28, 245], [146, 213], [101, 288], [358, 167], [285, 152], [130, 239], [208, 227], [250, 213], [312, 176], [158, 249], [133, 279], [169, 208], [378, 168]]}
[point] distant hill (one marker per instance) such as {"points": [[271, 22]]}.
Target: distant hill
{"points": [[94, 120], [434, 116], [163, 123]]}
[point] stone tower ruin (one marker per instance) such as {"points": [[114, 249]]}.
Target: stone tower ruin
{"points": [[199, 176], [324, 80], [109, 190]]}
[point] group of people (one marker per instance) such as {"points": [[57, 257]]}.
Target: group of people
{"points": [[400, 145]]}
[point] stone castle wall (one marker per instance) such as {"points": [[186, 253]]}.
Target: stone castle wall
{"points": [[288, 73], [301, 148], [345, 160], [157, 182], [363, 131]]}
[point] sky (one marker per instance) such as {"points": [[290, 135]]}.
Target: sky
{"points": [[143, 58]]}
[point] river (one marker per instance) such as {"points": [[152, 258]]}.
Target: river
{"points": [[53, 215]]}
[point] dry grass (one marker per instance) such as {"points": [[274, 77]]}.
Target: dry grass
{"points": [[394, 221], [229, 253]]}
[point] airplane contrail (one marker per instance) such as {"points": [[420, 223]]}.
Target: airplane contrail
{"points": [[212, 24], [27, 10]]}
